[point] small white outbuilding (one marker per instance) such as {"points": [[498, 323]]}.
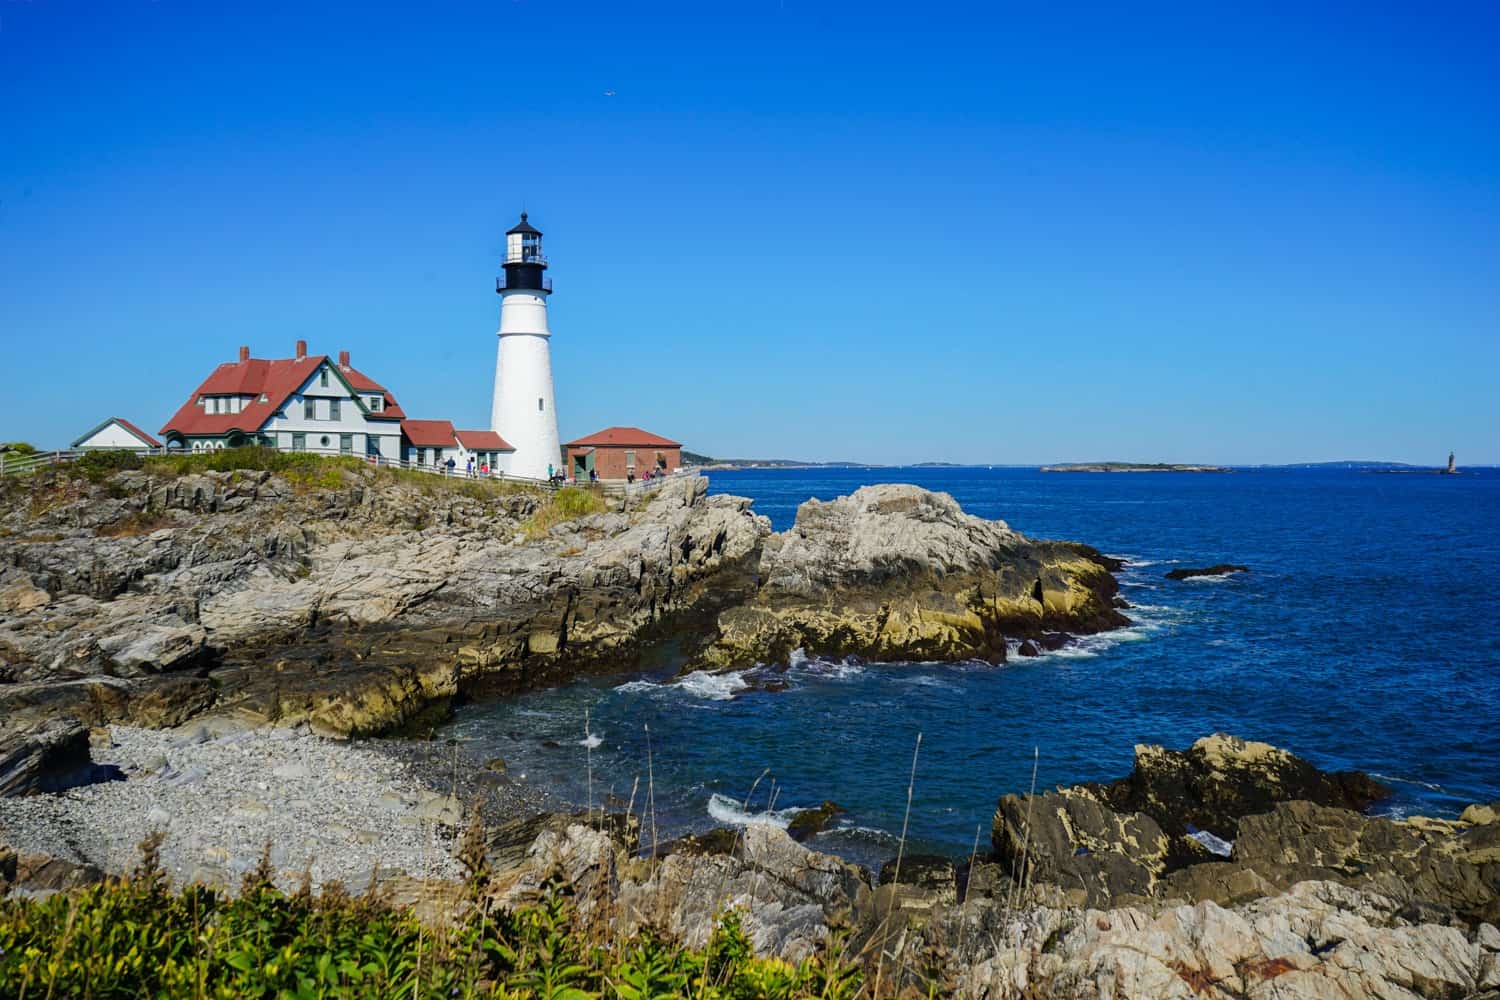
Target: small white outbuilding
{"points": [[117, 432]]}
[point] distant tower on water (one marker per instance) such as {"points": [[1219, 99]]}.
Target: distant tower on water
{"points": [[1452, 465], [523, 411]]}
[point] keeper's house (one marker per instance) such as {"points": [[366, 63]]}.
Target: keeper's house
{"points": [[302, 403], [622, 452], [116, 433], [433, 442]]}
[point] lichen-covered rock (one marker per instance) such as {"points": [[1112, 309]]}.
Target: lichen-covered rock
{"points": [[896, 572], [1318, 940], [354, 609], [1281, 820], [1221, 778], [1071, 839], [785, 893]]}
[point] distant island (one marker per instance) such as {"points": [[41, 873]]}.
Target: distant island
{"points": [[1133, 467], [704, 462]]}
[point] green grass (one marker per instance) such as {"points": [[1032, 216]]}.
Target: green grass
{"points": [[134, 938], [299, 468], [567, 504]]}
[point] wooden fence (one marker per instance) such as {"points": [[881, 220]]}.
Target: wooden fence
{"points": [[13, 464]]}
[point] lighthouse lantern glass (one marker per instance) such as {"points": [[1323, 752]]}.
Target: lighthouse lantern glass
{"points": [[531, 246]]}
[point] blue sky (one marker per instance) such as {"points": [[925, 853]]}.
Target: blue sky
{"points": [[885, 233]]}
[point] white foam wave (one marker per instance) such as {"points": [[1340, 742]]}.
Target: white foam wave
{"points": [[732, 813], [1209, 578], [1430, 786], [819, 667], [591, 741], [1135, 562], [869, 832], [699, 684], [711, 686]]}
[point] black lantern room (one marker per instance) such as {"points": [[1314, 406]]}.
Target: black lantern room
{"points": [[524, 261]]}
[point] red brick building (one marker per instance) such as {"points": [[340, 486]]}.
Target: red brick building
{"points": [[620, 452]]}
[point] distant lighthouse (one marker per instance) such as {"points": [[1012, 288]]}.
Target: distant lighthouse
{"points": [[523, 411]]}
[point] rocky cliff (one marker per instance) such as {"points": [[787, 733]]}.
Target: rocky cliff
{"points": [[894, 572], [353, 608], [358, 600]]}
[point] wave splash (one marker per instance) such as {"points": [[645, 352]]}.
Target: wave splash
{"points": [[732, 813], [700, 684]]}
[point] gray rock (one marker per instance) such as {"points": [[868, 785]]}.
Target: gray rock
{"points": [[38, 755], [1073, 840]]}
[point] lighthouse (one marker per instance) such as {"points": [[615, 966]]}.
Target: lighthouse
{"points": [[523, 411]]}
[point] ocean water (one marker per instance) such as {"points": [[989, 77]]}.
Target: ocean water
{"points": [[1366, 636]]}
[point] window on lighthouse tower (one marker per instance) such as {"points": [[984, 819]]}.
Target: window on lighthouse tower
{"points": [[531, 246]]}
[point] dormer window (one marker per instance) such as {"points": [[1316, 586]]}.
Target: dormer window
{"points": [[375, 404]]}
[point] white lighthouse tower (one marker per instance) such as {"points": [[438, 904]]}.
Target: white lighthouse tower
{"points": [[523, 413]]}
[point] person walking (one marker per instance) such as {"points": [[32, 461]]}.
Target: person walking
{"points": [[469, 469], [484, 470], [450, 465]]}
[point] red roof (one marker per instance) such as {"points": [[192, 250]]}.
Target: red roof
{"points": [[132, 428], [428, 433], [624, 437], [275, 380], [482, 441]]}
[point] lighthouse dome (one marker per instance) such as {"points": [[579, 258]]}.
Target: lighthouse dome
{"points": [[524, 227]]}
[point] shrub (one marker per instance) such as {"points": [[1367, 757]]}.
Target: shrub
{"points": [[18, 448], [98, 465], [136, 938], [567, 504]]}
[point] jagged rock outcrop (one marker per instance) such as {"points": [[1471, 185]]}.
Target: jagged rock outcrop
{"points": [[1317, 938], [1070, 839], [895, 572], [1441, 869], [357, 604], [353, 608], [1279, 819], [1220, 778]]}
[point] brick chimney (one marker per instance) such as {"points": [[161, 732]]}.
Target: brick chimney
{"points": [[343, 359], [244, 354], [301, 349]]}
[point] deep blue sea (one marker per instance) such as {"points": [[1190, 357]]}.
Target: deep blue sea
{"points": [[1366, 636]]}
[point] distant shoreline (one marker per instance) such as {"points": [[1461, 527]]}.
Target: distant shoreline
{"points": [[1134, 467]]}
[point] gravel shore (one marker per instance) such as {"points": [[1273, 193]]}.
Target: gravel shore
{"points": [[343, 811]]}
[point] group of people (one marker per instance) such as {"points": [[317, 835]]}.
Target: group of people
{"points": [[651, 474], [554, 475], [450, 468]]}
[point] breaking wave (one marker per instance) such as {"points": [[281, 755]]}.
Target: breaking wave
{"points": [[732, 813], [700, 684]]}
